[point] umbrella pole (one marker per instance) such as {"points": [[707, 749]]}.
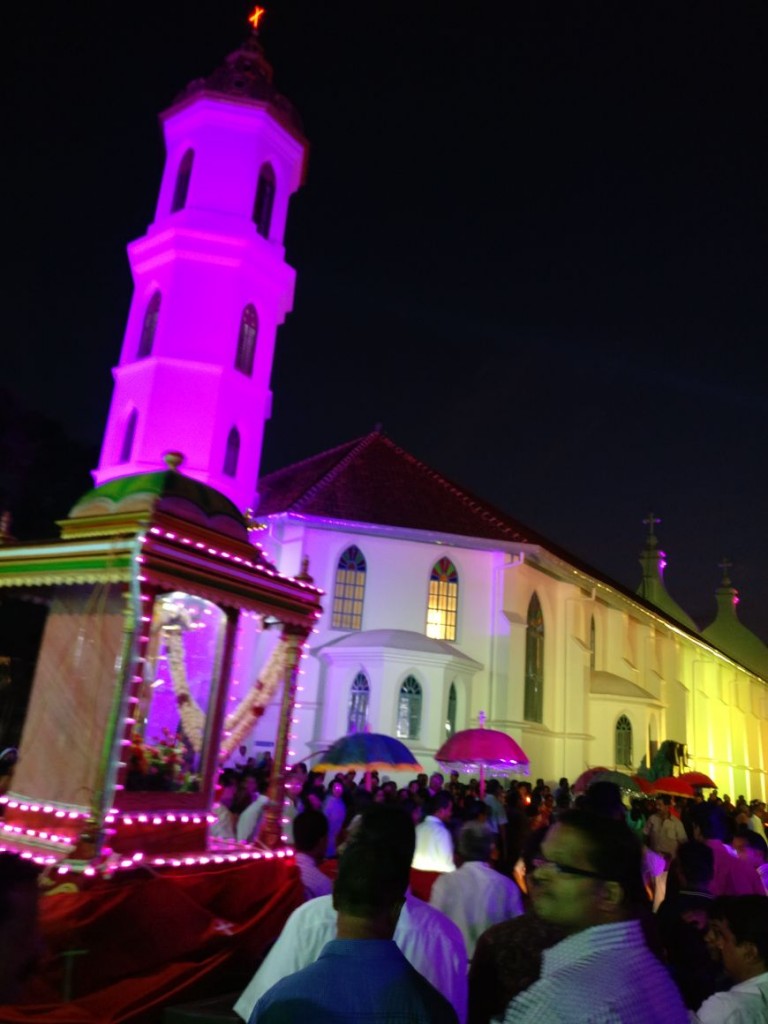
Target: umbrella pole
{"points": [[482, 782]]}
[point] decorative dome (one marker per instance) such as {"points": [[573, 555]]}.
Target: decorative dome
{"points": [[653, 560], [245, 75], [731, 635], [164, 491]]}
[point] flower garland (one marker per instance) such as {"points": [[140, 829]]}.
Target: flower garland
{"points": [[190, 712], [251, 707]]}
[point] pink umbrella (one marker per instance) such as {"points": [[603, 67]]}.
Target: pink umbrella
{"points": [[481, 750]]}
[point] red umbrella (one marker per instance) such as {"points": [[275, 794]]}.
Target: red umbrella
{"points": [[644, 784], [673, 785], [482, 750], [698, 779], [582, 783]]}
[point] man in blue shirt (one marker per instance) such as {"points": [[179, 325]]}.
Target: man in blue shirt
{"points": [[360, 975]]}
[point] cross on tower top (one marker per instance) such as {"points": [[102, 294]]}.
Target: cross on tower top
{"points": [[255, 17]]}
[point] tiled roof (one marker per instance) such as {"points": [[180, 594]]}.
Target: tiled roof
{"points": [[372, 480]]}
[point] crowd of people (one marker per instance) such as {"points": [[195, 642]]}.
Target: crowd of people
{"points": [[544, 906]]}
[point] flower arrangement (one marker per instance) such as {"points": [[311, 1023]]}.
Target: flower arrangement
{"points": [[251, 707], [161, 765]]}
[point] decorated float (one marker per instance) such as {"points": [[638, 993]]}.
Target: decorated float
{"points": [[153, 586]]}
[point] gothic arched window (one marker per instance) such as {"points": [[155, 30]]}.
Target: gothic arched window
{"points": [[450, 718], [232, 453], [265, 198], [126, 451], [183, 175], [357, 716], [592, 644], [349, 591], [623, 741], [149, 326], [533, 709], [246, 340], [409, 709], [443, 600]]}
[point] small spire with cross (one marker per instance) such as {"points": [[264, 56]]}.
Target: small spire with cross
{"points": [[725, 565], [650, 521]]}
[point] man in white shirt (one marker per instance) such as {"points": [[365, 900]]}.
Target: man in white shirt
{"points": [[476, 896], [434, 842], [430, 942], [663, 830], [738, 930]]}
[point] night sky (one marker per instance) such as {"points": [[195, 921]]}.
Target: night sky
{"points": [[533, 244]]}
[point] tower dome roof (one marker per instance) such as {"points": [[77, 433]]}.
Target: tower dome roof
{"points": [[731, 635], [245, 76], [653, 560]]}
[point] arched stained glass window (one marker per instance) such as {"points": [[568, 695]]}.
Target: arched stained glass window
{"points": [[126, 451], [232, 454], [349, 590], [183, 175], [246, 340], [443, 600], [409, 709], [265, 198], [623, 741], [149, 326], [359, 694], [450, 718], [592, 644], [533, 709]]}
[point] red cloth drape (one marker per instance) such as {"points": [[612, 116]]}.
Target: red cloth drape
{"points": [[152, 942]]}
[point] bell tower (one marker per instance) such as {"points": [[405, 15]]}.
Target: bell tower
{"points": [[211, 285]]}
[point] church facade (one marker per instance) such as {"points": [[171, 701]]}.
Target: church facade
{"points": [[439, 607]]}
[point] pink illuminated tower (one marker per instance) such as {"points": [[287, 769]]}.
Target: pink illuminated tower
{"points": [[211, 285]]}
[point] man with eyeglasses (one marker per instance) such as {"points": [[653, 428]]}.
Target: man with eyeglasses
{"points": [[589, 882]]}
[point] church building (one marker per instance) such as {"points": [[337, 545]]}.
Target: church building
{"points": [[437, 605]]}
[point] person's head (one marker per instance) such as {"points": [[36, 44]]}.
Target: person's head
{"points": [[739, 932], [664, 805], [20, 939], [369, 890], [337, 788], [441, 806], [310, 833], [709, 821], [475, 842], [589, 872], [693, 866], [604, 798], [436, 781], [389, 826], [493, 787], [751, 847]]}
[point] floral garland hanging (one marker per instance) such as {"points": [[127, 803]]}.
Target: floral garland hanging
{"points": [[190, 712], [251, 707]]}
